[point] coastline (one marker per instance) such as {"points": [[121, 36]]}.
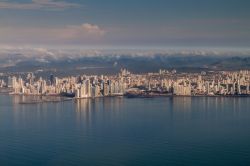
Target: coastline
{"points": [[58, 98]]}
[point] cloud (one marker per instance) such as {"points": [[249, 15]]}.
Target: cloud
{"points": [[84, 33], [38, 4]]}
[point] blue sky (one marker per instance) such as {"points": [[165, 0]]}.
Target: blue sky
{"points": [[132, 23]]}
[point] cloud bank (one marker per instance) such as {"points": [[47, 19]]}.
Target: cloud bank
{"points": [[38, 4], [86, 33]]}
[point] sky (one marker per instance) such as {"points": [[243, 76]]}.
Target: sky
{"points": [[128, 23]]}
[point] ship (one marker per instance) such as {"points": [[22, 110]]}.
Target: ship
{"points": [[65, 94]]}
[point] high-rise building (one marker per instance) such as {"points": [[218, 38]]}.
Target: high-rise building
{"points": [[52, 79], [88, 88], [12, 82]]}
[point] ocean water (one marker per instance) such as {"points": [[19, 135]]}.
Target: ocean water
{"points": [[120, 131]]}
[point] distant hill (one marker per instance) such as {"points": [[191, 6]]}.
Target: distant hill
{"points": [[233, 63], [110, 62]]}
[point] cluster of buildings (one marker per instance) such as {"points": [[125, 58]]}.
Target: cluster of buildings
{"points": [[164, 82], [79, 87]]}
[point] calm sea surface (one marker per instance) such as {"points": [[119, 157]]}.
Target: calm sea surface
{"points": [[120, 131]]}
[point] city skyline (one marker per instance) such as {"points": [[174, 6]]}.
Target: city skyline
{"points": [[125, 23], [162, 84], [124, 82]]}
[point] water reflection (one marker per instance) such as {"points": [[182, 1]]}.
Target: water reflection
{"points": [[23, 114], [207, 107], [89, 110], [115, 130], [98, 104]]}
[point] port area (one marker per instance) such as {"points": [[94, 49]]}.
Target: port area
{"points": [[150, 94], [146, 94], [5, 90], [22, 99]]}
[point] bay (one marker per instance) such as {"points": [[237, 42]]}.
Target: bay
{"points": [[122, 131]]}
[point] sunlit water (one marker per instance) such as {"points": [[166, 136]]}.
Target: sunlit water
{"points": [[121, 131]]}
